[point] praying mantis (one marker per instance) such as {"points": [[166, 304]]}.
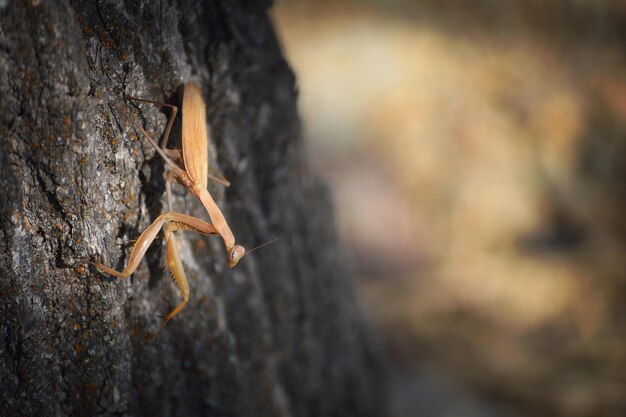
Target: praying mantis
{"points": [[188, 166]]}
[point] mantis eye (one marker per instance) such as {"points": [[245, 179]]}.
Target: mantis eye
{"points": [[236, 253]]}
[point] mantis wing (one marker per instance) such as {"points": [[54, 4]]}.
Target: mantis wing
{"points": [[195, 148]]}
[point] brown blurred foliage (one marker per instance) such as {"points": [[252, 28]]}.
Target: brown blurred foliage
{"points": [[478, 156]]}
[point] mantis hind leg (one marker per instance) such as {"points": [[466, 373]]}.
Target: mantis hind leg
{"points": [[170, 123], [173, 156]]}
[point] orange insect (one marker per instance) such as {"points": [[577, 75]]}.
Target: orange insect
{"points": [[190, 168]]}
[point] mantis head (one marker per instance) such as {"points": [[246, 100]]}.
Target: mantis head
{"points": [[238, 252], [235, 254]]}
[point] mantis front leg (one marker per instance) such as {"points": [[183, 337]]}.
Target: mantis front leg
{"points": [[170, 222], [176, 268]]}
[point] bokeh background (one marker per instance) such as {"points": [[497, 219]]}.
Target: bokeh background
{"points": [[476, 151]]}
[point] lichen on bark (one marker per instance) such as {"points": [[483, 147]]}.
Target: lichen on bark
{"points": [[280, 335]]}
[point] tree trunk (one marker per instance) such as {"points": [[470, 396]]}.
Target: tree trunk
{"points": [[279, 335]]}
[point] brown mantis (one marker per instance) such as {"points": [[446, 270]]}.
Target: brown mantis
{"points": [[189, 167]]}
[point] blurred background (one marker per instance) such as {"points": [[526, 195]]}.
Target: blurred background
{"points": [[477, 155]]}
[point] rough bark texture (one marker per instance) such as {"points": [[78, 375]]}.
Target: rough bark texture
{"points": [[279, 335]]}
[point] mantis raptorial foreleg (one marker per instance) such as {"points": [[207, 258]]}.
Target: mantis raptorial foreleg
{"points": [[176, 268], [170, 222]]}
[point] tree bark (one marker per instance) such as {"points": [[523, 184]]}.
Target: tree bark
{"points": [[279, 335]]}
